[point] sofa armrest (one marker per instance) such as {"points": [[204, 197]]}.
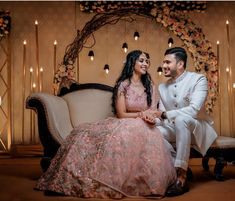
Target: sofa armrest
{"points": [[53, 120]]}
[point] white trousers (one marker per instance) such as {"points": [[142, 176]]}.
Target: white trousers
{"points": [[180, 132]]}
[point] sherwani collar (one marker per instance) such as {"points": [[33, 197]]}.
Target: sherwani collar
{"points": [[181, 77]]}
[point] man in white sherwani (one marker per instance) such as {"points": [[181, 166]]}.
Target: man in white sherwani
{"points": [[182, 113]]}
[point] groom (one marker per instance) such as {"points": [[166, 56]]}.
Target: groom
{"points": [[182, 113]]}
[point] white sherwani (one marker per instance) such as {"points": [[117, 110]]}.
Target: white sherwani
{"points": [[182, 99]]}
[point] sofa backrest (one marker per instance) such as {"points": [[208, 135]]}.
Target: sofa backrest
{"points": [[89, 104]]}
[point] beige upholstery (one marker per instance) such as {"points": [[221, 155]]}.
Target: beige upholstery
{"points": [[66, 112], [88, 105], [57, 114], [223, 142], [91, 102]]}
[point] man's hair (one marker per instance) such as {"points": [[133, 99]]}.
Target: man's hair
{"points": [[180, 54]]}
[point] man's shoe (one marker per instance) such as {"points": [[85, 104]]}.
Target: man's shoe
{"points": [[177, 189]]}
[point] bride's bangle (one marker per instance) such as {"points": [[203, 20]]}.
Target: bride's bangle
{"points": [[140, 114]]}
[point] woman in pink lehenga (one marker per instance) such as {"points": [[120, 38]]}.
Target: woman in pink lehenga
{"points": [[116, 157]]}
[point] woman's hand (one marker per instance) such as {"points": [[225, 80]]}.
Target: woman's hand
{"points": [[148, 116]]}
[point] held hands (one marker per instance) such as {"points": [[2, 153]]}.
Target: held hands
{"points": [[148, 116]]}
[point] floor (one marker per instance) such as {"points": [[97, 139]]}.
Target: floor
{"points": [[19, 175]]}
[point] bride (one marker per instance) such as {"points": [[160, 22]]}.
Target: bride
{"points": [[122, 156]]}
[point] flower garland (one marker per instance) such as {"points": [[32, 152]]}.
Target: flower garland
{"points": [[182, 26], [195, 41], [5, 24]]}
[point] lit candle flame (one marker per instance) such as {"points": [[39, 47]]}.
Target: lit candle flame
{"points": [[31, 69], [36, 22], [234, 85], [227, 22], [55, 42], [227, 69], [41, 69], [217, 42], [34, 85], [25, 42]]}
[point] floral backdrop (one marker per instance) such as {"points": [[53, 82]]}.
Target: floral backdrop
{"points": [[5, 23], [173, 16]]}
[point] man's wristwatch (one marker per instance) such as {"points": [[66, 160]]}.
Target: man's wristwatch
{"points": [[163, 115]]}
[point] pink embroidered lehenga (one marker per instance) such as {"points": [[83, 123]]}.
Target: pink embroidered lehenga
{"points": [[112, 158]]}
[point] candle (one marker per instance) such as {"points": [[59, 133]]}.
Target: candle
{"points": [[34, 86], [41, 79], [55, 44], [37, 53], [217, 53], [23, 87], [31, 79]]}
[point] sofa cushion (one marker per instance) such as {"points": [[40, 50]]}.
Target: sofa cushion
{"points": [[223, 142], [88, 105]]}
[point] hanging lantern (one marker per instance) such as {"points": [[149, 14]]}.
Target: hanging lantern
{"points": [[170, 42], [106, 68], [91, 55], [136, 35], [159, 70], [125, 47]]}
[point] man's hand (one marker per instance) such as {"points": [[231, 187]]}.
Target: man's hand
{"points": [[148, 116], [157, 114]]}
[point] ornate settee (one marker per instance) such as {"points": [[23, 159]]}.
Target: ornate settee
{"points": [[58, 115]]}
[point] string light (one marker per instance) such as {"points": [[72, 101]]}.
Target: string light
{"points": [[106, 68]]}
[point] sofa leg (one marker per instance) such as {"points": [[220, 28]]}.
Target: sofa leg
{"points": [[218, 170], [205, 165], [45, 163]]}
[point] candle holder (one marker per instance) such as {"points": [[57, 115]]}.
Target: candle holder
{"points": [[33, 119], [229, 80], [23, 89], [31, 112], [54, 64], [41, 79], [37, 54]]}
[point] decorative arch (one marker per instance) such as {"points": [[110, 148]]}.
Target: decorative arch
{"points": [[177, 22]]}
